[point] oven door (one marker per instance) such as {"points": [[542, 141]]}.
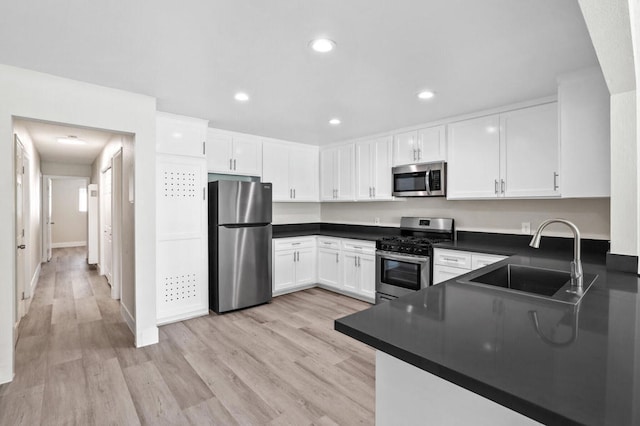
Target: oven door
{"points": [[399, 274]]}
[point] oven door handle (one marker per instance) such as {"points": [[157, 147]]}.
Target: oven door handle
{"points": [[408, 259]]}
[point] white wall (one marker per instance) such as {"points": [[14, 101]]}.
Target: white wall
{"points": [[40, 96], [624, 174], [70, 224], [590, 214], [65, 169], [104, 158]]}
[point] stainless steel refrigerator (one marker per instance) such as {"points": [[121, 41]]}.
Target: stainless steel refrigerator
{"points": [[239, 244]]}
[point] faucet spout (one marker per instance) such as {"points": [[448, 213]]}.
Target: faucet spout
{"points": [[576, 264]]}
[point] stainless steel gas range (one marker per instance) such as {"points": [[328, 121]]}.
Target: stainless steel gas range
{"points": [[403, 263]]}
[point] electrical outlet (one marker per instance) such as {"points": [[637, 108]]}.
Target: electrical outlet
{"points": [[526, 228], [376, 220]]}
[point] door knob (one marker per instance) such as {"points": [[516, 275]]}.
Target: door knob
{"points": [[22, 246]]}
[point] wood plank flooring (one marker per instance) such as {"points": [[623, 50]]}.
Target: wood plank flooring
{"points": [[276, 364]]}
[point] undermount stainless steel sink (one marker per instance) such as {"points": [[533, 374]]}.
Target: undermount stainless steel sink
{"points": [[540, 282]]}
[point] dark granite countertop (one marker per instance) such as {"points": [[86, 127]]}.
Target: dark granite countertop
{"points": [[582, 366], [338, 230]]}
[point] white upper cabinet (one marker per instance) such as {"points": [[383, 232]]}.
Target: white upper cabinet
{"points": [[293, 170], [233, 153], [511, 155], [179, 135], [420, 146], [584, 104], [474, 158], [373, 169], [530, 149], [337, 173]]}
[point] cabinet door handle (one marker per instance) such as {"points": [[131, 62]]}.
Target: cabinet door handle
{"points": [[555, 181], [326, 242], [355, 261], [295, 244], [294, 193], [290, 193], [495, 186], [337, 258], [234, 164], [414, 155], [374, 192], [451, 259], [294, 256], [230, 163], [419, 154], [502, 185], [358, 261]]}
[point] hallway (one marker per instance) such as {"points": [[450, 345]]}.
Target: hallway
{"points": [[66, 357], [279, 363]]}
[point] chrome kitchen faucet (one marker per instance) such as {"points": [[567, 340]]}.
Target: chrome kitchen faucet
{"points": [[576, 264]]}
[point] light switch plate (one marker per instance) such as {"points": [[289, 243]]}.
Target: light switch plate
{"points": [[526, 228]]}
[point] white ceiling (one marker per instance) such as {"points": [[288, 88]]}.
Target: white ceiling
{"points": [[45, 138], [193, 56]]}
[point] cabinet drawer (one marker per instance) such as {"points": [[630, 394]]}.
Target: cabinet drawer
{"points": [[458, 259], [293, 243], [357, 246], [328, 243], [482, 260], [444, 273]]}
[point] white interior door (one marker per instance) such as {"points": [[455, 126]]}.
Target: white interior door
{"points": [[20, 233], [107, 234], [48, 205], [116, 209]]}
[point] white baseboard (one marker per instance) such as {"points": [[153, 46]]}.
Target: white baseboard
{"points": [[69, 244], [128, 318], [293, 289], [183, 316], [6, 378], [34, 280], [147, 337]]}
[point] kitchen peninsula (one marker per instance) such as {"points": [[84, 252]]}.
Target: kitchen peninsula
{"points": [[478, 354]]}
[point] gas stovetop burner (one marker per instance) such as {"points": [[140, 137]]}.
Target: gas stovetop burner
{"points": [[418, 236]]}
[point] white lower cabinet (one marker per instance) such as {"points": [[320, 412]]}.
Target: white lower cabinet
{"points": [[448, 264], [329, 262], [294, 261], [358, 269], [342, 265]]}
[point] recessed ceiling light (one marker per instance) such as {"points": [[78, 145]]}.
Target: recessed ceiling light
{"points": [[334, 121], [176, 135], [71, 140], [241, 96], [427, 94], [322, 45]]}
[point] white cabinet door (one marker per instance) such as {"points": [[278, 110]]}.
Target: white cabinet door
{"points": [[365, 163], [530, 151], [346, 172], [405, 148], [350, 272], [329, 267], [284, 273], [247, 155], [303, 173], [444, 273], [179, 135], [367, 276], [474, 158], [305, 266], [275, 169], [327, 175], [432, 144], [219, 152], [381, 168]]}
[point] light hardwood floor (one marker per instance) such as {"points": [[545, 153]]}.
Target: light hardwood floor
{"points": [[276, 364]]}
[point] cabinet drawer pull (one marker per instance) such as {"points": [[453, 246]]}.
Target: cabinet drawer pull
{"points": [[555, 181], [326, 242], [451, 259], [295, 244]]}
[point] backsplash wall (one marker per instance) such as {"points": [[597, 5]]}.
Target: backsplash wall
{"points": [[591, 215]]}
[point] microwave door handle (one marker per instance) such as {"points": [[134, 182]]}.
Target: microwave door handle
{"points": [[427, 178]]}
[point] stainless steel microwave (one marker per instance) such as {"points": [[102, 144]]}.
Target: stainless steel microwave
{"points": [[420, 180]]}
